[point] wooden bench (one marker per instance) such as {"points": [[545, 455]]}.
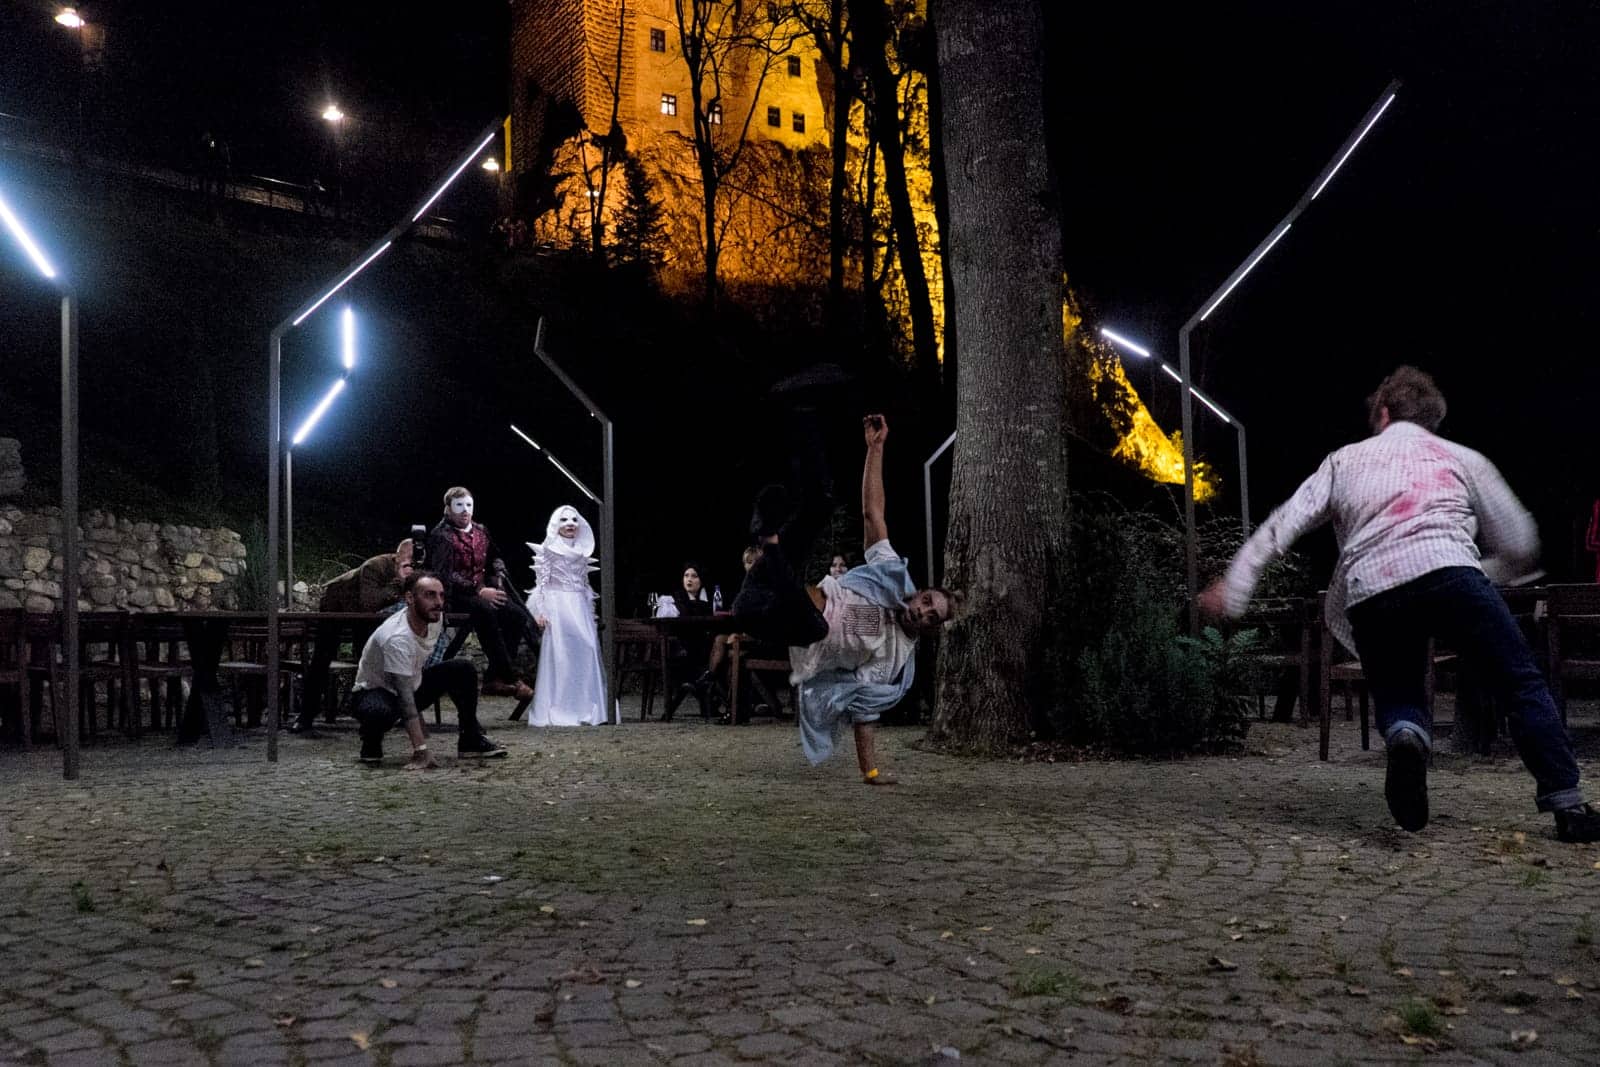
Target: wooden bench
{"points": [[1573, 609]]}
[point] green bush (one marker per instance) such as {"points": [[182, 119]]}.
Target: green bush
{"points": [[1135, 682]]}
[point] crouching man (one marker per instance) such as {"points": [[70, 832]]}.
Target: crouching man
{"points": [[391, 684]]}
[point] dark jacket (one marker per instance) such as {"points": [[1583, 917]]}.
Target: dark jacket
{"points": [[368, 588], [447, 557]]}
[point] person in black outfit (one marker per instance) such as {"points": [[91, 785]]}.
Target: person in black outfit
{"points": [[465, 557]]}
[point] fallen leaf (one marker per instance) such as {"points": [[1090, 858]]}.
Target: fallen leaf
{"points": [[1358, 991], [1235, 937], [633, 983], [1453, 1009], [1573, 994], [255, 963], [1509, 972], [1524, 1038], [493, 878], [1235, 921], [1403, 972], [1217, 963], [696, 922], [546, 909], [947, 935], [388, 983], [284, 1020], [928, 999], [1512, 1011], [361, 1040], [1033, 951], [1566, 979], [985, 929], [181, 981], [1446, 974]]}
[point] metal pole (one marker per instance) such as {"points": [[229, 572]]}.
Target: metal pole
{"points": [[608, 570], [274, 450], [69, 533], [1191, 545], [927, 500], [1244, 482], [288, 529]]}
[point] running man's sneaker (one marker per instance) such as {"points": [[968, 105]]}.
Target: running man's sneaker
{"points": [[479, 747], [1578, 825], [1406, 786]]}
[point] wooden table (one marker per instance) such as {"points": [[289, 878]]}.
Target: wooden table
{"points": [[667, 629]]}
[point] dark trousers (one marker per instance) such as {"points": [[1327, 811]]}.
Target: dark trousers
{"points": [[324, 650], [1461, 606], [773, 604], [378, 710], [500, 631]]}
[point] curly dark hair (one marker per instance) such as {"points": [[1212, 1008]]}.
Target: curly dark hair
{"points": [[1411, 396]]}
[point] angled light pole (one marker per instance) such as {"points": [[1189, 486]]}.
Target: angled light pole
{"points": [[1214, 301], [608, 513], [347, 354], [70, 563], [275, 448], [1127, 345]]}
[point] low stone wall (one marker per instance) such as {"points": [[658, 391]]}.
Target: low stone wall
{"points": [[140, 566]]}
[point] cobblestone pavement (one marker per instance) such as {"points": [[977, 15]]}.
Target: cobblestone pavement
{"points": [[696, 895]]}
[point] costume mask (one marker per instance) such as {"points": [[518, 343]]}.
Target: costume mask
{"points": [[462, 505]]}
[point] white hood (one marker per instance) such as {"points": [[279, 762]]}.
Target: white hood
{"points": [[581, 545]]}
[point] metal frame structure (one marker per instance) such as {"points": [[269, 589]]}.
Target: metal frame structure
{"points": [[71, 565], [275, 449], [1190, 536]]}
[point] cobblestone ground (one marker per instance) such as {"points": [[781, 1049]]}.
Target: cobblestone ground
{"points": [[695, 894]]}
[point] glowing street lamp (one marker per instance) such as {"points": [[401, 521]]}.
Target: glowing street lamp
{"points": [[70, 18], [70, 563], [1320, 183], [1127, 345], [492, 165], [275, 443]]}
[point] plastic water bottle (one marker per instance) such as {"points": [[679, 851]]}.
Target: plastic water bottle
{"points": [[716, 598]]}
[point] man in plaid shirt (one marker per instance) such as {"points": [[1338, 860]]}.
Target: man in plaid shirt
{"points": [[1422, 524]]}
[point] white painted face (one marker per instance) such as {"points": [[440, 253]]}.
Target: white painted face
{"points": [[461, 511], [567, 523]]}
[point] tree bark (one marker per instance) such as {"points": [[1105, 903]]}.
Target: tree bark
{"points": [[1007, 540]]}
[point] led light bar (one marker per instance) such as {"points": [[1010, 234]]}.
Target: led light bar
{"points": [[426, 204], [1252, 266], [20, 232], [1122, 342], [1365, 130], [348, 338], [317, 413], [342, 282]]}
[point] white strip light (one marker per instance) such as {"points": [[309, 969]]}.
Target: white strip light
{"points": [[348, 338], [1252, 266], [1353, 144], [1175, 376], [573, 478], [423, 210], [1122, 342], [342, 282], [317, 413], [14, 224]]}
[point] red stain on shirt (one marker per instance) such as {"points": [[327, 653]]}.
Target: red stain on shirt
{"points": [[1406, 505]]}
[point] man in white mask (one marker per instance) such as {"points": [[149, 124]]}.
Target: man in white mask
{"points": [[464, 556]]}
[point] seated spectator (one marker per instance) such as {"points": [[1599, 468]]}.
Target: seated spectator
{"points": [[368, 590], [693, 653], [464, 556]]}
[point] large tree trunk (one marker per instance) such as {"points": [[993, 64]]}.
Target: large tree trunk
{"points": [[1007, 539], [869, 20]]}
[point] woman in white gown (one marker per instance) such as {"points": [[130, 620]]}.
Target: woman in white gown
{"points": [[569, 690]]}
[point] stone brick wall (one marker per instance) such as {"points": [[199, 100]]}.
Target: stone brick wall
{"points": [[12, 477], [140, 566]]}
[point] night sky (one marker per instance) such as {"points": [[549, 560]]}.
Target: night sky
{"points": [[1461, 236]]}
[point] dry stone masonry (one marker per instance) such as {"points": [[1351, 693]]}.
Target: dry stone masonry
{"points": [[140, 566]]}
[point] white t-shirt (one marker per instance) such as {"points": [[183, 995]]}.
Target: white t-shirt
{"points": [[862, 637], [394, 649]]}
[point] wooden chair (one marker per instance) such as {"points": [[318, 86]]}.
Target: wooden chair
{"points": [[103, 660], [1349, 677], [14, 668], [1573, 610], [638, 652], [45, 669], [244, 668], [1290, 622], [157, 657], [747, 656]]}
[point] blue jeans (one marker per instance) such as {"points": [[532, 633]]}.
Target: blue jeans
{"points": [[1461, 606]]}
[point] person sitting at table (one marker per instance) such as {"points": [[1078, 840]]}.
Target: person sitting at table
{"points": [[839, 566], [392, 683], [569, 689], [693, 656], [464, 556], [367, 590]]}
